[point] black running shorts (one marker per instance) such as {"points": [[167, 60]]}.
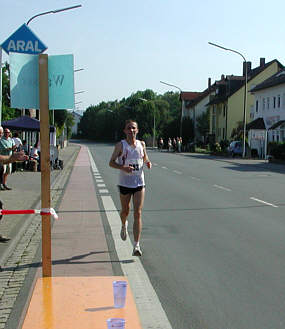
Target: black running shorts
{"points": [[129, 190]]}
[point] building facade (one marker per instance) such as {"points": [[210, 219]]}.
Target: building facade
{"points": [[227, 105]]}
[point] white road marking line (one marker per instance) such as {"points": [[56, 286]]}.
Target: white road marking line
{"points": [[102, 191], [222, 187], [155, 164], [196, 178], [177, 172], [164, 167], [264, 202], [101, 185], [147, 302], [99, 181]]}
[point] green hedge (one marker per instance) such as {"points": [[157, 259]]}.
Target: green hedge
{"points": [[277, 150]]}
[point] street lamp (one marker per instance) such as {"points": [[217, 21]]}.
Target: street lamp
{"points": [[245, 91], [171, 85], [153, 135], [53, 12]]}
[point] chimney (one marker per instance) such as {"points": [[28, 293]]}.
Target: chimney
{"points": [[209, 84], [262, 61], [222, 77], [246, 66]]}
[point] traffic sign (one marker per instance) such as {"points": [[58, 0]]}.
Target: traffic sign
{"points": [[24, 41]]}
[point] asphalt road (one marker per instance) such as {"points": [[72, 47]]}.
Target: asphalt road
{"points": [[213, 239]]}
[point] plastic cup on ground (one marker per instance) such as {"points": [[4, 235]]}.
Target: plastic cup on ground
{"points": [[116, 323], [119, 292]]}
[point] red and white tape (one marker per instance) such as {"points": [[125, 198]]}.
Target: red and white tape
{"points": [[43, 211]]}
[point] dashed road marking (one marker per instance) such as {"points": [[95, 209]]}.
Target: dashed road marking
{"points": [[195, 178], [222, 187], [177, 172], [264, 202], [102, 191]]}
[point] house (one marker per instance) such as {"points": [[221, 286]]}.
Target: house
{"points": [[227, 105], [197, 106], [76, 117], [268, 113], [186, 97]]}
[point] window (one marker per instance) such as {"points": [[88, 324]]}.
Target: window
{"points": [[263, 103], [256, 106], [274, 102], [224, 133], [278, 101], [225, 110], [268, 103]]}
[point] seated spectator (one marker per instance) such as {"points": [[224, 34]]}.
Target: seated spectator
{"points": [[17, 142]]}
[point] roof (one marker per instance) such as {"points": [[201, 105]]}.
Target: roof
{"points": [[276, 79], [24, 123], [252, 74], [189, 95], [256, 124], [277, 124]]}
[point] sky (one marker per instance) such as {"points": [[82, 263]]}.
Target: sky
{"points": [[128, 45]]}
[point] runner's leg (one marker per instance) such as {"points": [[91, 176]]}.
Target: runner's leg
{"points": [[125, 203], [138, 200]]}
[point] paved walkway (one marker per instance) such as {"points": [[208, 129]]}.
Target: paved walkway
{"points": [[17, 257], [79, 246]]}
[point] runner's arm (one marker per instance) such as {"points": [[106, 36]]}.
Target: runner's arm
{"points": [[145, 156], [116, 153]]}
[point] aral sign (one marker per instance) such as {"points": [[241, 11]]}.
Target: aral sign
{"points": [[24, 41]]}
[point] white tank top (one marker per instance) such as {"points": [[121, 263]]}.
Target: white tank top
{"points": [[132, 156]]}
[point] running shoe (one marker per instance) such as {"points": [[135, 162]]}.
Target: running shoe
{"points": [[137, 251], [124, 231]]}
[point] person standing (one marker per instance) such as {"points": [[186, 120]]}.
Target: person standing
{"points": [[7, 147], [129, 156]]}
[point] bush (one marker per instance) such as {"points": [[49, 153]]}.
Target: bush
{"points": [[215, 147], [224, 144], [277, 150]]}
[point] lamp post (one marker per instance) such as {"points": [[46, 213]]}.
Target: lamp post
{"points": [[153, 135], [171, 85], [245, 91], [51, 12], [45, 153]]}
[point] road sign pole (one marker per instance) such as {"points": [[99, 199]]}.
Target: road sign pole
{"points": [[45, 164]]}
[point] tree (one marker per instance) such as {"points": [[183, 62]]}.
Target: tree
{"points": [[7, 112], [203, 124]]}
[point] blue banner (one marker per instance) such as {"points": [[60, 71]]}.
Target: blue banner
{"points": [[24, 81]]}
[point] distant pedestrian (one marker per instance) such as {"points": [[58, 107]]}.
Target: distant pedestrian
{"points": [[169, 144], [129, 156], [160, 143]]}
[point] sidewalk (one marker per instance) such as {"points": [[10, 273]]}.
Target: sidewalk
{"points": [[80, 256], [17, 256]]}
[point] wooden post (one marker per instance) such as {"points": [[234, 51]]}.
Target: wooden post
{"points": [[45, 163]]}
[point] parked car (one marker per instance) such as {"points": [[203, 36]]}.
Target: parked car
{"points": [[235, 148]]}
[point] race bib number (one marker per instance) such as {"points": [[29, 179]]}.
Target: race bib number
{"points": [[136, 164]]}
